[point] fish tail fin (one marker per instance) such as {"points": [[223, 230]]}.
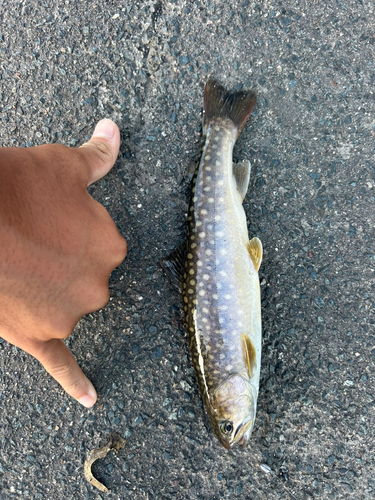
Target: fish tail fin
{"points": [[219, 103]]}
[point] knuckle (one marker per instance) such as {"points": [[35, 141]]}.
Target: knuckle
{"points": [[120, 250], [100, 149], [116, 246], [72, 387], [101, 297], [61, 370], [103, 149]]}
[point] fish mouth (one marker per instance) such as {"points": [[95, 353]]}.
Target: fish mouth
{"points": [[241, 431], [239, 436]]}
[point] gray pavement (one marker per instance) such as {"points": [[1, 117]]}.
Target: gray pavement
{"points": [[65, 65]]}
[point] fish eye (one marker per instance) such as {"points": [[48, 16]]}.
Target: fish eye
{"points": [[226, 427]]}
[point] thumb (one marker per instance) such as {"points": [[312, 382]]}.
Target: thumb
{"points": [[102, 149], [60, 363]]}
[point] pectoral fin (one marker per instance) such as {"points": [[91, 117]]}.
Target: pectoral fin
{"points": [[173, 265], [256, 252], [250, 355], [241, 172]]}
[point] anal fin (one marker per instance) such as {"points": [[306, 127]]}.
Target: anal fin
{"points": [[241, 172], [255, 249]]}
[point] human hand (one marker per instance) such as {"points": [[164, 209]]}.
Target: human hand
{"points": [[58, 247]]}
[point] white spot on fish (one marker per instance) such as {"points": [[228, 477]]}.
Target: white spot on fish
{"points": [[207, 188], [211, 200], [205, 310], [239, 323], [219, 286], [198, 223], [217, 163], [202, 293], [223, 251], [204, 211], [220, 182], [208, 178], [217, 128], [206, 277], [193, 245], [215, 297], [199, 263], [202, 234], [189, 255], [192, 282], [207, 157], [207, 168], [226, 296], [222, 272], [221, 199], [190, 291], [208, 252], [195, 199], [220, 234], [217, 217]]}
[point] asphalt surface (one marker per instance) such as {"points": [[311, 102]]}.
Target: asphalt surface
{"points": [[64, 66]]}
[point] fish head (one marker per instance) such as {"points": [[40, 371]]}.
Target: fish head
{"points": [[234, 408]]}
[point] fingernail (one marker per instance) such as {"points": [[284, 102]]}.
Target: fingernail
{"points": [[105, 128], [89, 399]]}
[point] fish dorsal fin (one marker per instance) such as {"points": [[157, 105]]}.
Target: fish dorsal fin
{"points": [[241, 172], [174, 264], [255, 249], [250, 355]]}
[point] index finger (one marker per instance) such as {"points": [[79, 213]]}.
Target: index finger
{"points": [[61, 364]]}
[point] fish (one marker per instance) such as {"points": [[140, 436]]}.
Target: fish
{"points": [[216, 270]]}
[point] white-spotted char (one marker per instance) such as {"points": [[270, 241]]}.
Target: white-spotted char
{"points": [[219, 266], [222, 296]]}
